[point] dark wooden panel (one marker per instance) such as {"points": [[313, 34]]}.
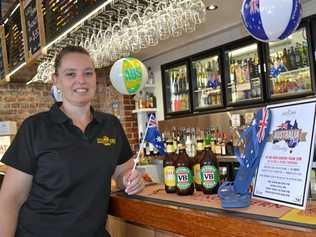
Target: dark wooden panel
{"points": [[5, 6], [14, 40], [194, 223], [3, 57], [2, 70], [60, 15]]}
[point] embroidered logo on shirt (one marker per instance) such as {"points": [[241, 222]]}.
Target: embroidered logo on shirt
{"points": [[106, 141]]}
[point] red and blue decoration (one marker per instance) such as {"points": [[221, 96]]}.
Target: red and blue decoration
{"points": [[290, 133], [236, 194], [153, 135], [271, 20], [56, 94]]}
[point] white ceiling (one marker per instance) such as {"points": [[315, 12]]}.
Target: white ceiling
{"points": [[227, 14]]}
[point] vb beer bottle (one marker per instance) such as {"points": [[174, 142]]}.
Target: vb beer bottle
{"points": [[209, 172], [184, 176]]}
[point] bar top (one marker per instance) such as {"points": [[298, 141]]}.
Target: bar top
{"points": [[190, 220]]}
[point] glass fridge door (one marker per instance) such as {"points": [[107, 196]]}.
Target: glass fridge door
{"points": [[176, 89], [206, 78], [289, 67], [243, 73]]}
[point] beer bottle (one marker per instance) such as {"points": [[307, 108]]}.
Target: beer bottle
{"points": [[209, 172], [223, 174], [169, 169], [184, 177], [196, 165]]}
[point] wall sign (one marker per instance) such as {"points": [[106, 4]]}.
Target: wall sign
{"points": [[32, 26], [284, 169]]}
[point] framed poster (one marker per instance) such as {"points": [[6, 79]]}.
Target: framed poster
{"points": [[285, 164]]}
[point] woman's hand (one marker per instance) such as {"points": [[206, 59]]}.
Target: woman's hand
{"points": [[133, 182]]}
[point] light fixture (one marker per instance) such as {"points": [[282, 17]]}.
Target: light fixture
{"points": [[17, 69], [16, 8], [211, 7]]}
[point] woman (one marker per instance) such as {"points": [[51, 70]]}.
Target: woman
{"points": [[61, 161]]}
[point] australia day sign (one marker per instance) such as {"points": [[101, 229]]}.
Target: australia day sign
{"points": [[284, 169]]}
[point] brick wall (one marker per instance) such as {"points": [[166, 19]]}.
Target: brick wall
{"points": [[18, 101], [130, 121]]}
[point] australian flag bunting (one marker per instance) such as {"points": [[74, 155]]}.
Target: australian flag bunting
{"points": [[153, 135]]}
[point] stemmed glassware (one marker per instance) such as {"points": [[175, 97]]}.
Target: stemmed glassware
{"points": [[126, 27]]}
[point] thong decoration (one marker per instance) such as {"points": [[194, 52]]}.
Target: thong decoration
{"points": [[236, 194]]}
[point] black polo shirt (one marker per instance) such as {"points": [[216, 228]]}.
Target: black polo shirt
{"points": [[71, 173]]}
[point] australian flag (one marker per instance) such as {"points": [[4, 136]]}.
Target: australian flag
{"points": [[153, 135]]}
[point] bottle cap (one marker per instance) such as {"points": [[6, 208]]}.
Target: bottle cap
{"points": [[222, 170], [181, 146], [207, 146]]}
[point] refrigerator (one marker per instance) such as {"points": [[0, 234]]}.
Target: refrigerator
{"points": [[176, 88], [288, 66], [206, 80], [243, 72]]}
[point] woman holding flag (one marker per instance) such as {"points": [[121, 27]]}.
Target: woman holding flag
{"points": [[60, 164]]}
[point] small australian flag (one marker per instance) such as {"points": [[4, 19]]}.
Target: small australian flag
{"points": [[153, 135]]}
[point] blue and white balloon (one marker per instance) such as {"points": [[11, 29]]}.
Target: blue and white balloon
{"points": [[56, 94], [271, 20]]}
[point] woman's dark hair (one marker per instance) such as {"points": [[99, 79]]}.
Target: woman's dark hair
{"points": [[66, 50]]}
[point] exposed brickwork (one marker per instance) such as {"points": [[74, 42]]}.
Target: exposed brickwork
{"points": [[18, 101], [130, 121]]}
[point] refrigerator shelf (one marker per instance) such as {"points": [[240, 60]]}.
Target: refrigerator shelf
{"points": [[208, 106], [210, 90], [304, 69], [145, 110]]}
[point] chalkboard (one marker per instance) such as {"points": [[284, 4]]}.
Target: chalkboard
{"points": [[32, 27], [60, 15], [14, 40], [2, 71]]}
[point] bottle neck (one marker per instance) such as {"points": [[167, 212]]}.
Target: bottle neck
{"points": [[170, 147], [200, 146]]}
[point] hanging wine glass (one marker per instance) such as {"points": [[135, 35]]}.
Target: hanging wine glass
{"points": [[163, 21], [199, 11], [175, 15], [188, 17], [134, 39]]}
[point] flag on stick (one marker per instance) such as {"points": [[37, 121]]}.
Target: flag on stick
{"points": [[153, 135]]}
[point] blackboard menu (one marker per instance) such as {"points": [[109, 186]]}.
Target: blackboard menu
{"points": [[14, 40], [2, 72], [60, 15], [32, 27]]}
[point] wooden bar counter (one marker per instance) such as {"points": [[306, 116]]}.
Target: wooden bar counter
{"points": [[186, 221]]}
